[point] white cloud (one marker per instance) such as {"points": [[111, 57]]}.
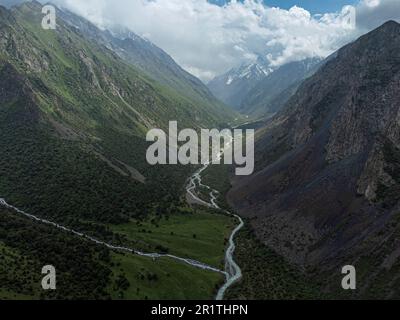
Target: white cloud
{"points": [[372, 3], [373, 13], [208, 40]]}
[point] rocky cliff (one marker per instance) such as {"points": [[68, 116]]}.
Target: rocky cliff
{"points": [[326, 193]]}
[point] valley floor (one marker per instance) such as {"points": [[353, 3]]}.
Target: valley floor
{"points": [[196, 235]]}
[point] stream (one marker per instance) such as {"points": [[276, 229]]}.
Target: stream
{"points": [[233, 273]]}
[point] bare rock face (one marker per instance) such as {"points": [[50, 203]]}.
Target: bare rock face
{"points": [[328, 181]]}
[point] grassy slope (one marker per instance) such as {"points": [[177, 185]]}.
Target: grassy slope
{"points": [[59, 79], [72, 77], [50, 64]]}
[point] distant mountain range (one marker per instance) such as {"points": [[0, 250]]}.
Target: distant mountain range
{"points": [[271, 93], [233, 87], [259, 90], [327, 189]]}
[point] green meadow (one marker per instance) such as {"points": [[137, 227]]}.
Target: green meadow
{"points": [[199, 235], [141, 278]]}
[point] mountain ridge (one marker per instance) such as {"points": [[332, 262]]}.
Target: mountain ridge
{"points": [[89, 112], [260, 94], [325, 193], [272, 92], [148, 58], [234, 85]]}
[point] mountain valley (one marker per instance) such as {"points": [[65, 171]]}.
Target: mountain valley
{"points": [[77, 192]]}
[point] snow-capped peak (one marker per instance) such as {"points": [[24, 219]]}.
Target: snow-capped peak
{"points": [[253, 71]]}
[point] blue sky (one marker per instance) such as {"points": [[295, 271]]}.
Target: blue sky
{"points": [[314, 6]]}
